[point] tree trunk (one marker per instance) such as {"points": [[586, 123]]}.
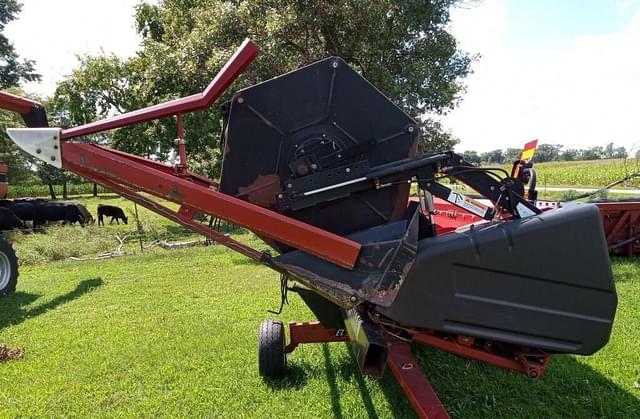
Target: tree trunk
{"points": [[95, 189], [65, 195], [51, 191]]}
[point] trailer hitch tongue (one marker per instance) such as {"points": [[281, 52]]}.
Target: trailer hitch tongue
{"points": [[41, 143]]}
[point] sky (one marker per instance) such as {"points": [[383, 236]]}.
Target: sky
{"points": [[562, 71], [54, 32], [565, 72]]}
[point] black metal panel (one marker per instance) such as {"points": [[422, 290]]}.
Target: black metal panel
{"points": [[386, 257], [37, 118], [329, 314], [542, 282], [305, 123], [368, 343]]}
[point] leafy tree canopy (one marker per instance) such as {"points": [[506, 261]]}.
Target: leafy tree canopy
{"points": [[12, 73], [548, 152], [12, 70], [402, 46]]}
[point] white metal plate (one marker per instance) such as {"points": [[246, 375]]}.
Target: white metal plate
{"points": [[41, 143], [471, 205]]}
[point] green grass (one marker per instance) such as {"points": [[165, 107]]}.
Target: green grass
{"points": [[173, 333], [57, 242]]}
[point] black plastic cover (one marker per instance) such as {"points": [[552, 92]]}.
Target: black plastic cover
{"points": [[542, 282]]}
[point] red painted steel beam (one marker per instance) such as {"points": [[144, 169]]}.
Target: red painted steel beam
{"points": [[232, 69], [517, 363], [4, 169], [97, 163], [415, 385], [180, 217], [163, 167], [17, 104], [313, 332]]}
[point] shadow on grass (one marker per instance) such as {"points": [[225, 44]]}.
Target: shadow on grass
{"points": [[346, 372], [12, 307], [625, 268], [331, 378], [295, 378], [469, 388]]}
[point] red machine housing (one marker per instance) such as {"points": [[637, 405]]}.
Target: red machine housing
{"points": [[621, 223], [4, 171]]}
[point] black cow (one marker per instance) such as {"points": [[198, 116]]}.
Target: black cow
{"points": [[60, 211], [88, 218], [8, 220], [115, 213], [26, 211]]}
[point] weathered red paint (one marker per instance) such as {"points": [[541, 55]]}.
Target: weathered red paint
{"points": [[232, 69], [448, 217], [621, 224], [165, 168], [98, 163], [520, 359], [313, 332], [405, 368], [183, 216], [4, 171], [17, 104]]}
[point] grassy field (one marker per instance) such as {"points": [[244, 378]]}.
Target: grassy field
{"points": [[60, 243], [595, 173], [173, 333]]}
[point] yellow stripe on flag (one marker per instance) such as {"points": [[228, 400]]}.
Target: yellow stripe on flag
{"points": [[529, 150]]}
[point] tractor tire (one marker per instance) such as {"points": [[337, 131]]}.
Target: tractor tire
{"points": [[272, 360], [8, 268]]}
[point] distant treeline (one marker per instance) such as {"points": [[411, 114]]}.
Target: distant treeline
{"points": [[547, 152]]}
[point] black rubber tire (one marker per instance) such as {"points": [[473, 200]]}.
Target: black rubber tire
{"points": [[272, 361], [8, 268]]}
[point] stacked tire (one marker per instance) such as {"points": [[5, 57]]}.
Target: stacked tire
{"points": [[8, 267]]}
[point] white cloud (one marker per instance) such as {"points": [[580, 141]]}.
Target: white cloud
{"points": [[53, 32], [583, 92]]}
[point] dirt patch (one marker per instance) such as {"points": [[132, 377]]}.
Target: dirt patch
{"points": [[8, 354]]}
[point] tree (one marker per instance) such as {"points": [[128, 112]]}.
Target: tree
{"points": [[593, 153], [570, 154], [493, 157], [613, 152], [12, 70], [548, 152], [512, 154], [19, 163], [402, 47], [472, 157], [435, 137], [12, 73], [50, 176], [620, 153]]}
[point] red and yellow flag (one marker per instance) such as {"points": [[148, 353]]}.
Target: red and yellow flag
{"points": [[529, 150]]}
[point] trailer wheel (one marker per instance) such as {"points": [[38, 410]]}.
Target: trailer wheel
{"points": [[272, 360], [8, 268]]}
